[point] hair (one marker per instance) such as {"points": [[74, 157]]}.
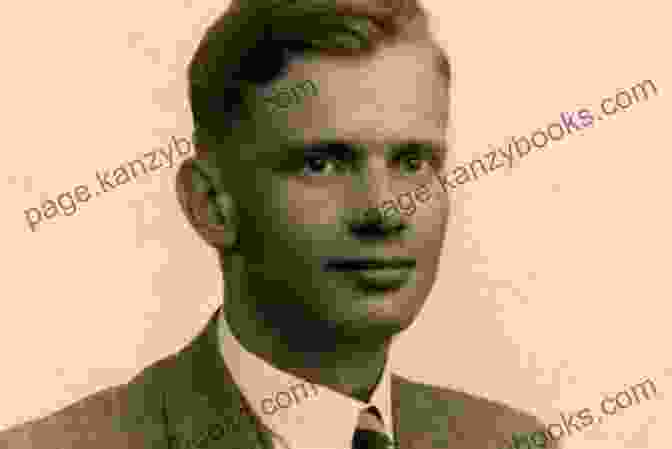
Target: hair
{"points": [[252, 42]]}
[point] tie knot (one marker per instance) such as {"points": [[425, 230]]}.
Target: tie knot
{"points": [[370, 432], [371, 419]]}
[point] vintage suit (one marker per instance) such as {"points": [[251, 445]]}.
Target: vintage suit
{"points": [[189, 400]]}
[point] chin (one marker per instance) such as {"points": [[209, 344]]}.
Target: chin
{"points": [[386, 316]]}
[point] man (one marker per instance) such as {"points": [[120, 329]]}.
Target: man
{"points": [[319, 276]]}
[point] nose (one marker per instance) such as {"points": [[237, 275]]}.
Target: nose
{"points": [[368, 220]]}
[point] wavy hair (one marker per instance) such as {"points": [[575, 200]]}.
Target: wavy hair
{"points": [[252, 42]]}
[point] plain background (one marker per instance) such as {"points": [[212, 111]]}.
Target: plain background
{"points": [[554, 287]]}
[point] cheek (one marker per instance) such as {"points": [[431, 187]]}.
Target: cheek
{"points": [[431, 218], [312, 213], [307, 206], [428, 237]]}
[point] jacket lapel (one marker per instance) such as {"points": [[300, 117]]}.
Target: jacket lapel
{"points": [[430, 417], [203, 406]]}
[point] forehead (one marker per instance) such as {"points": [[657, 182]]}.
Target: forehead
{"points": [[395, 94]]}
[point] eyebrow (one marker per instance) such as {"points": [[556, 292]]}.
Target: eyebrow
{"points": [[341, 147], [334, 147], [421, 144]]}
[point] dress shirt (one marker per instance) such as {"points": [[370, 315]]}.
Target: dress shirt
{"points": [[300, 414]]}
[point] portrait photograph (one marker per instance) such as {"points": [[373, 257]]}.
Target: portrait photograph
{"points": [[336, 224]]}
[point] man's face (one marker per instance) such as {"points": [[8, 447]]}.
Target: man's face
{"points": [[305, 181]]}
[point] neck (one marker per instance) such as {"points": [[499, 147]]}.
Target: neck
{"points": [[313, 352]]}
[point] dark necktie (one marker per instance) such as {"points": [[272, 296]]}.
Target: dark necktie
{"points": [[370, 431]]}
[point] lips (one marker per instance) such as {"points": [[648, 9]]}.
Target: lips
{"points": [[374, 273], [367, 263]]}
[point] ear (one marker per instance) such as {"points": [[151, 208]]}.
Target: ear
{"points": [[209, 210]]}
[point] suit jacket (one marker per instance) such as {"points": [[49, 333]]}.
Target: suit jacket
{"points": [[189, 400]]}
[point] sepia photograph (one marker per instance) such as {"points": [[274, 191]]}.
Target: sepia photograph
{"points": [[336, 224]]}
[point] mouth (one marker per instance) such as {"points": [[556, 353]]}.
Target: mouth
{"points": [[376, 274]]}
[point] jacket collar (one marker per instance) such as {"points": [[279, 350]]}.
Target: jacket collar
{"points": [[203, 408]]}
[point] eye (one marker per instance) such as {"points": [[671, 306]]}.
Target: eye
{"points": [[411, 163], [320, 165]]}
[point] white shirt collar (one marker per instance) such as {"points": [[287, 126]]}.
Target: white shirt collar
{"points": [[306, 416]]}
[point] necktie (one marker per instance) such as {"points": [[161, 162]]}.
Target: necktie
{"points": [[370, 431]]}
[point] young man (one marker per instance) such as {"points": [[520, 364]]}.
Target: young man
{"points": [[318, 279]]}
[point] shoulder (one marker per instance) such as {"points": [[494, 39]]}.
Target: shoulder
{"points": [[458, 419], [77, 425], [105, 419]]}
